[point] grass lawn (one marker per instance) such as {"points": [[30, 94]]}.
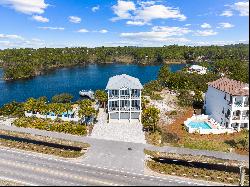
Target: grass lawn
{"points": [[176, 135], [197, 167], [41, 144]]}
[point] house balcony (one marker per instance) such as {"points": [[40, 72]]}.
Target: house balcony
{"points": [[113, 96], [123, 109], [135, 96], [245, 118], [124, 96]]}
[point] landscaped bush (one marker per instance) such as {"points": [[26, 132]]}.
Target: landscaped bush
{"points": [[12, 109], [156, 96], [170, 138], [49, 125]]}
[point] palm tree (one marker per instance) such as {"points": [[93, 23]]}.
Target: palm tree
{"points": [[102, 97], [150, 117]]}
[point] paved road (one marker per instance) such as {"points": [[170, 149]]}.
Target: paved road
{"points": [[37, 169], [216, 154]]}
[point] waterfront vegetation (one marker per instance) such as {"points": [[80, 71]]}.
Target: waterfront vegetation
{"points": [[41, 144], [197, 167], [41, 106], [28, 62], [51, 125]]}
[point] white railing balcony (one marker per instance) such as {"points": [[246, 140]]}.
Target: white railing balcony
{"points": [[135, 96], [245, 118], [113, 96], [125, 108], [135, 108], [124, 96], [113, 109]]}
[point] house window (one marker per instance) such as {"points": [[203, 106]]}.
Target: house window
{"points": [[225, 97], [223, 110]]}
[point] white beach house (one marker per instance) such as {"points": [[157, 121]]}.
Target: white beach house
{"points": [[227, 101], [197, 69], [124, 97]]}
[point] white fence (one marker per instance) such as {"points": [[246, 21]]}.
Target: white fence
{"points": [[63, 118], [218, 130]]}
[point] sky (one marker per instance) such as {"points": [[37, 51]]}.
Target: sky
{"points": [[93, 23]]}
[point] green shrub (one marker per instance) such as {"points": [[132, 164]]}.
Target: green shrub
{"points": [[49, 125]]}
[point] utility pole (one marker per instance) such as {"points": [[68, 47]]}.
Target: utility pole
{"points": [[242, 175]]}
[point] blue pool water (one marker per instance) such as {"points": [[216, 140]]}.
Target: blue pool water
{"points": [[200, 124]]}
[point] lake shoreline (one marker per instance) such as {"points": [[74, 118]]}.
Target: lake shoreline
{"points": [[75, 78], [52, 69]]}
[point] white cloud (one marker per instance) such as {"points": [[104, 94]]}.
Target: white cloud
{"points": [[159, 34], [51, 28], [226, 25], [95, 8], [206, 33], [82, 30], [75, 19], [187, 25], [103, 31], [11, 36], [137, 23], [206, 26], [122, 9], [144, 12], [242, 7], [227, 13], [40, 19], [26, 6], [158, 12]]}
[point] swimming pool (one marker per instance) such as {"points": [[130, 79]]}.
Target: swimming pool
{"points": [[199, 124]]}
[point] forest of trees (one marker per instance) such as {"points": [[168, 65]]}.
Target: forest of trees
{"points": [[28, 62]]}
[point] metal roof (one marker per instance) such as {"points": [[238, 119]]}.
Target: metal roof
{"points": [[123, 81]]}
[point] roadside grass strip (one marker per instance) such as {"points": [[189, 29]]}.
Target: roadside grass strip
{"points": [[201, 167], [40, 144]]}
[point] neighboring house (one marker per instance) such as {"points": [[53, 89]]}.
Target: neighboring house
{"points": [[197, 69], [227, 101], [124, 97]]}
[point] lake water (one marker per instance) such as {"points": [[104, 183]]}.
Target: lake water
{"points": [[72, 80]]}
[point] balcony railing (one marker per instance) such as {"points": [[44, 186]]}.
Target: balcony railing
{"points": [[135, 96], [114, 109], [245, 118], [124, 109], [124, 96], [113, 96]]}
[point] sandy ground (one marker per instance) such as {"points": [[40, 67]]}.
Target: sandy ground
{"points": [[168, 104], [6, 121]]}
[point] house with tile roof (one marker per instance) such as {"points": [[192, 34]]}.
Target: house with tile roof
{"points": [[124, 98], [227, 101]]}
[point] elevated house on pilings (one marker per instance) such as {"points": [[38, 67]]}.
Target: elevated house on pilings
{"points": [[124, 98]]}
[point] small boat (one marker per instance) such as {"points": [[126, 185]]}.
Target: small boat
{"points": [[87, 93]]}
